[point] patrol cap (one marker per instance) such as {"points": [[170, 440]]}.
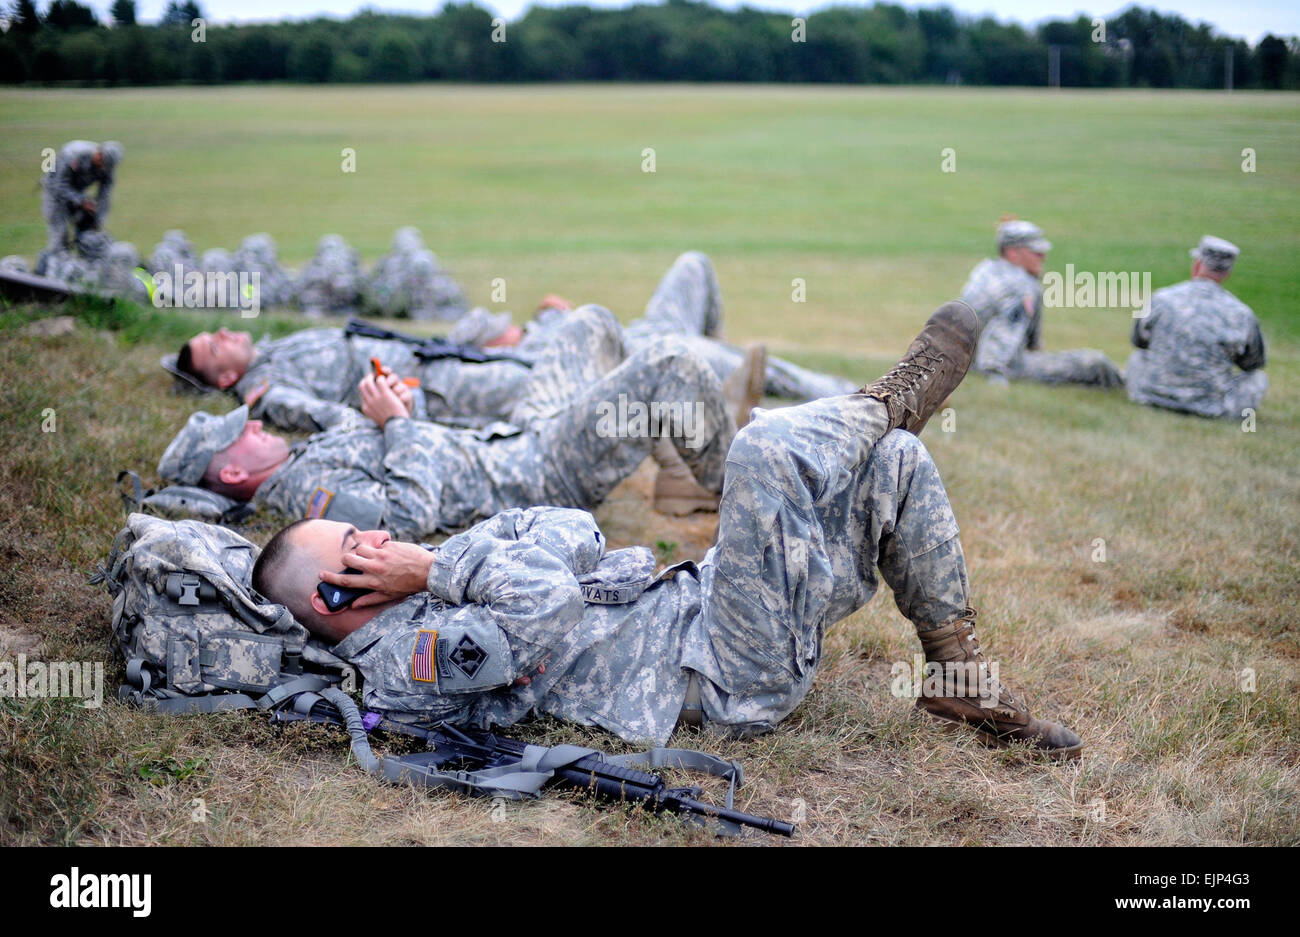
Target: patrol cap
{"points": [[204, 435], [1216, 253], [112, 153], [184, 383], [1022, 234], [478, 327]]}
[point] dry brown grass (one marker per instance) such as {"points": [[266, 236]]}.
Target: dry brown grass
{"points": [[1140, 653]]}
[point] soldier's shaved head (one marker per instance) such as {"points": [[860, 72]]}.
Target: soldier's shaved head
{"points": [[287, 574]]}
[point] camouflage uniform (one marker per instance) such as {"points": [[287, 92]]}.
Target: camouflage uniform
{"points": [[415, 478], [407, 281], [688, 303], [1009, 303], [816, 497], [64, 189], [311, 380], [1199, 350]]}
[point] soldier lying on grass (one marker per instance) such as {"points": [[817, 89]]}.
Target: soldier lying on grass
{"points": [[817, 497], [415, 478]]}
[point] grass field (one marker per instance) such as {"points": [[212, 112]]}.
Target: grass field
{"points": [[1142, 653]]}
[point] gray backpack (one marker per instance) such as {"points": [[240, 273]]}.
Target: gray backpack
{"points": [[195, 636], [179, 501]]}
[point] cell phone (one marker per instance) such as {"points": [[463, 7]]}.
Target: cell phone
{"points": [[340, 597]]}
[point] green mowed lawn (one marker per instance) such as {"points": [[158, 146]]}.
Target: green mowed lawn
{"points": [[1135, 571]]}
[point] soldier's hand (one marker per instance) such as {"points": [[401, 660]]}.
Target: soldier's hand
{"points": [[379, 401], [394, 569], [403, 392], [88, 204]]}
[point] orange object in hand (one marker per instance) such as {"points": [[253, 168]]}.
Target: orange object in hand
{"points": [[381, 371]]}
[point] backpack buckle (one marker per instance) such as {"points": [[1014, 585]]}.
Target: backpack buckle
{"points": [[188, 589]]}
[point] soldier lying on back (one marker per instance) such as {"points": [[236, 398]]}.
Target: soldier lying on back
{"points": [[492, 624], [414, 478]]}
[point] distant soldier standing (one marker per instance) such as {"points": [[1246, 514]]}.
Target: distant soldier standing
{"points": [[1006, 294], [1199, 349], [65, 192]]}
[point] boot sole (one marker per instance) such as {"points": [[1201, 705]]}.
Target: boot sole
{"points": [[995, 741]]}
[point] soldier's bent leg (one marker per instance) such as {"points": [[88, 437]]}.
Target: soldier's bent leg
{"points": [[584, 347], [796, 551], [487, 390], [1078, 366], [1247, 395], [686, 302], [610, 427]]}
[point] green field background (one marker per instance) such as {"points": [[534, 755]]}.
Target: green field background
{"points": [[1128, 564], [841, 187]]}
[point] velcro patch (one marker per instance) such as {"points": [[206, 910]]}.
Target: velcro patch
{"points": [[422, 657], [320, 501]]}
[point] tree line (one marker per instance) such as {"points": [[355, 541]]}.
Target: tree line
{"points": [[679, 40]]}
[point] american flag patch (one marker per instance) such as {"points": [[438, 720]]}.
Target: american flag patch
{"points": [[320, 500], [422, 657]]}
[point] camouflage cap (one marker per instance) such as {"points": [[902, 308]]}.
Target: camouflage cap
{"points": [[204, 435], [112, 152], [1216, 253], [184, 383], [478, 327], [1022, 234]]}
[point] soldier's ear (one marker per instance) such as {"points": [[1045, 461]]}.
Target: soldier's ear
{"points": [[231, 474], [227, 379]]}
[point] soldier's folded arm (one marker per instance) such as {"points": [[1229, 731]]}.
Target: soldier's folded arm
{"points": [[570, 535], [1143, 326], [1252, 357], [529, 593], [294, 408]]}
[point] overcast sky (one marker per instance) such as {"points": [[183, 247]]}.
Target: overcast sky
{"points": [[1248, 19]]}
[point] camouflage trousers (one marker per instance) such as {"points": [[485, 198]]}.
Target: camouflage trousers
{"points": [[597, 416], [1077, 366], [688, 303], [486, 390], [817, 497], [1001, 351], [1245, 391]]}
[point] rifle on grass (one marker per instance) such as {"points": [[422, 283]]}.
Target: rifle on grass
{"points": [[480, 762]]}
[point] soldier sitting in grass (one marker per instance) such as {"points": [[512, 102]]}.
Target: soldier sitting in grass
{"points": [[1199, 349], [1007, 295], [380, 467], [492, 624]]}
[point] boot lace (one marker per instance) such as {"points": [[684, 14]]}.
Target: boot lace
{"points": [[905, 376], [967, 631]]}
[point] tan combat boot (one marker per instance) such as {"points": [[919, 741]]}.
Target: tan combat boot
{"points": [[744, 388], [934, 365], [973, 696], [676, 490]]}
